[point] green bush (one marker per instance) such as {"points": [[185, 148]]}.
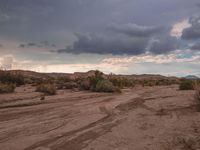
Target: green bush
{"points": [[7, 88], [14, 78], [105, 86], [186, 85], [98, 83], [121, 82], [95, 79], [163, 82], [48, 89]]}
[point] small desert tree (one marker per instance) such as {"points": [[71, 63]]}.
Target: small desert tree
{"points": [[95, 79]]}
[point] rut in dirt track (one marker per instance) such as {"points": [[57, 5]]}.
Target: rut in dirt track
{"points": [[80, 138]]}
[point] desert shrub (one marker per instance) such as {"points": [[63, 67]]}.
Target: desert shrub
{"points": [[186, 85], [67, 85], [163, 82], [105, 86], [48, 81], [28, 80], [84, 84], [39, 81], [7, 87], [148, 82], [7, 77], [95, 79], [63, 79], [97, 83], [48, 89], [121, 82]]}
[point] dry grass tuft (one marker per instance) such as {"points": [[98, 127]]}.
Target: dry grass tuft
{"points": [[7, 87], [186, 85], [197, 94], [48, 89]]}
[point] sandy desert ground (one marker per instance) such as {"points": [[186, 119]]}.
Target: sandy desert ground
{"points": [[142, 118]]}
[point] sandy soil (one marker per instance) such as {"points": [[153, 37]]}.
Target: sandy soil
{"points": [[150, 118]]}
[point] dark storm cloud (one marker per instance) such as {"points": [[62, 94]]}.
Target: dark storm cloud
{"points": [[4, 18], [126, 39], [195, 46], [136, 30], [164, 44], [136, 23], [42, 44], [115, 45], [193, 32], [44, 19], [130, 39], [198, 5]]}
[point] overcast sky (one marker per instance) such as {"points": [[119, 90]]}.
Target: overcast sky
{"points": [[118, 36]]}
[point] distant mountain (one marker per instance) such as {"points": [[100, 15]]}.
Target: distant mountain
{"points": [[192, 77]]}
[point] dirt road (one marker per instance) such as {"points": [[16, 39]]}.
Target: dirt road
{"points": [[150, 118]]}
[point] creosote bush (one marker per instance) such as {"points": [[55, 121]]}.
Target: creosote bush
{"points": [[11, 78], [121, 82], [98, 83], [186, 85], [106, 86], [48, 89], [7, 87]]}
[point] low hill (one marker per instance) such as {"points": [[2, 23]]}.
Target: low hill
{"points": [[88, 74]]}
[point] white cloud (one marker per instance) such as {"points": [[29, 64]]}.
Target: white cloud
{"points": [[178, 28], [176, 63], [7, 62], [176, 57]]}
